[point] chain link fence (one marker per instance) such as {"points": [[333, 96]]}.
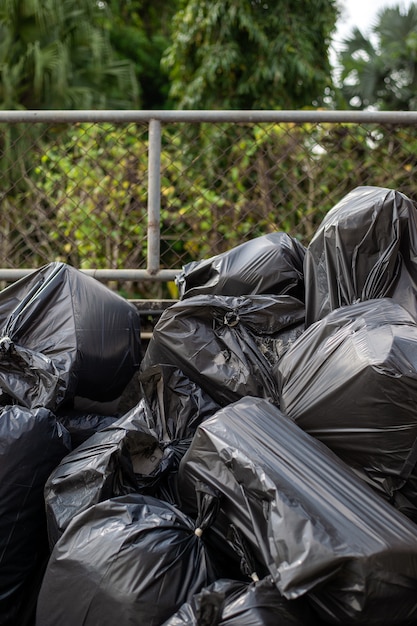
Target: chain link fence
{"points": [[133, 196]]}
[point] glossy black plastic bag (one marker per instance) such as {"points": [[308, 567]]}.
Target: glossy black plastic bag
{"points": [[128, 561], [365, 248], [234, 603], [81, 426], [271, 264], [64, 334], [351, 381], [227, 344], [31, 444], [320, 530], [139, 453], [177, 405]]}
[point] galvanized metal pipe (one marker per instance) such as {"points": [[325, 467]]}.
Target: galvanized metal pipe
{"points": [[10, 275], [154, 197], [196, 116]]}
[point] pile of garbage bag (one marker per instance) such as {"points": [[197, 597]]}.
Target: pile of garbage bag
{"points": [[264, 471]]}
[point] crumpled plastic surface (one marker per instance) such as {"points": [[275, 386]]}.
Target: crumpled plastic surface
{"points": [[128, 561], [81, 426], [56, 325], [139, 453], [365, 248], [177, 404], [271, 264], [233, 603], [351, 381], [31, 444], [227, 344], [319, 529]]}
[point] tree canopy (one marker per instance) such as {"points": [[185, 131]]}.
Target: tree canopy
{"points": [[250, 54], [381, 70], [140, 32], [57, 55], [239, 54]]}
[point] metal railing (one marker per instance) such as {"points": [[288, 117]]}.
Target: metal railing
{"points": [[260, 171]]}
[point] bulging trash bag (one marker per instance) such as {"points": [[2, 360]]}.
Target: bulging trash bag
{"points": [[227, 344], [64, 334], [365, 248], [234, 603], [271, 264], [132, 560], [139, 453], [321, 531], [351, 381], [31, 444], [102, 467]]}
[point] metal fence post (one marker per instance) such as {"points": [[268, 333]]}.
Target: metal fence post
{"points": [[154, 196]]}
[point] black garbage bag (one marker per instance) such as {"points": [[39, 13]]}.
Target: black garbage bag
{"points": [[118, 460], [365, 248], [64, 334], [351, 381], [227, 345], [177, 404], [320, 530], [31, 444], [81, 426], [234, 603], [139, 453], [244, 601], [132, 560], [270, 264]]}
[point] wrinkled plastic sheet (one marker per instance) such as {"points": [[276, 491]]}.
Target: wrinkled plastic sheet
{"points": [[365, 248], [139, 453], [177, 404], [351, 381], [81, 426], [270, 264], [227, 344], [57, 324], [319, 529], [31, 444], [233, 603], [132, 560]]}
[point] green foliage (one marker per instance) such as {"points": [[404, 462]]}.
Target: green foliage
{"points": [[54, 54], [85, 200], [57, 55], [283, 177], [79, 193], [140, 31], [95, 178], [250, 54], [381, 71]]}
